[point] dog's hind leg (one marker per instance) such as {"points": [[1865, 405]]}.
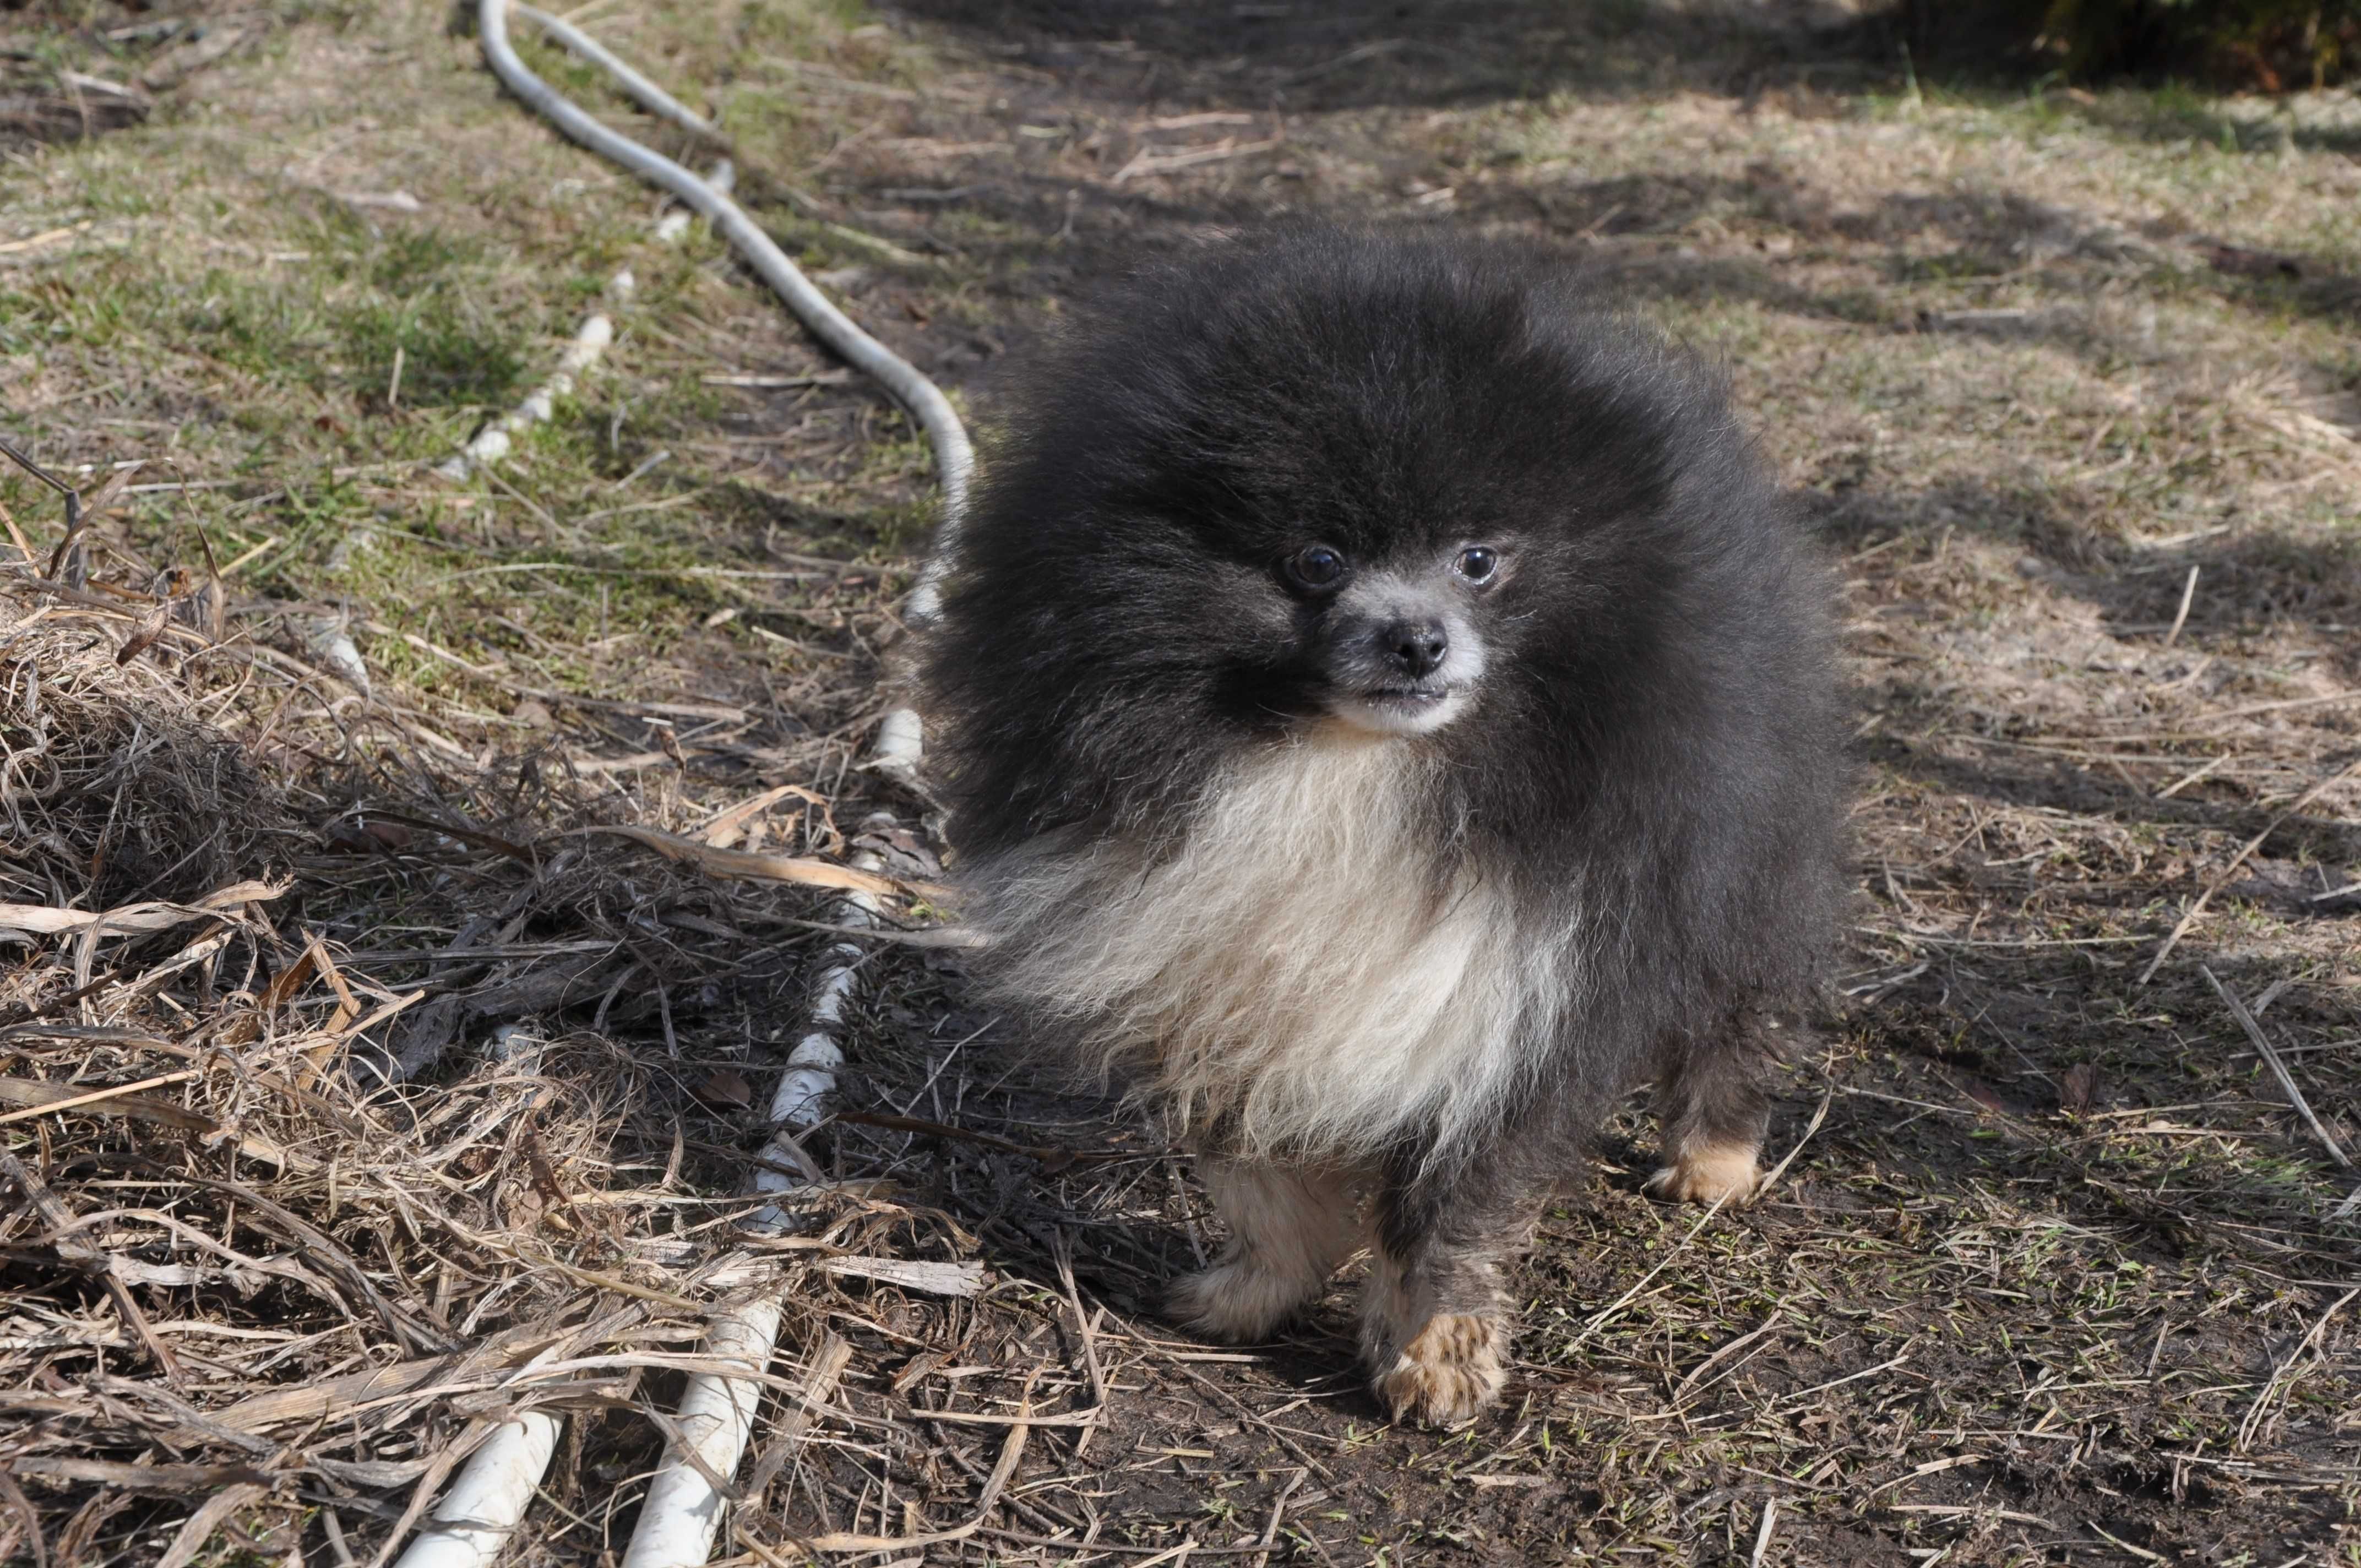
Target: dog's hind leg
{"points": [[1713, 1113], [1435, 1324], [1289, 1227]]}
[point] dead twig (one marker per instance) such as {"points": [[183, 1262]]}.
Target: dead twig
{"points": [[2223, 879], [2180, 616], [1218, 1392], [1052, 1159], [1762, 1532], [801, 871], [1012, 1449], [54, 1214], [2282, 1375], [209, 1517], [1065, 1258], [2263, 1049]]}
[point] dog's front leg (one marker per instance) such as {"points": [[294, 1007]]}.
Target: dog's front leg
{"points": [[1435, 1325], [1289, 1227]]}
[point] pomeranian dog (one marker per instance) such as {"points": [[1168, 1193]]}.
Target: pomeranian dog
{"points": [[1387, 712]]}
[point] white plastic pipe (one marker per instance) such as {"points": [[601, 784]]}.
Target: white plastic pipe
{"points": [[801, 1097], [715, 1418], [675, 225], [900, 739], [477, 1516], [638, 88], [683, 1509], [591, 340], [954, 457], [589, 343], [475, 1519], [901, 744]]}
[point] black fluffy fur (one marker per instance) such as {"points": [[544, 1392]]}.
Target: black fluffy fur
{"points": [[1659, 734]]}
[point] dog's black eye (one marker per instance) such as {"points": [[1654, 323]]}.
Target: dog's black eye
{"points": [[1316, 567], [1476, 564]]}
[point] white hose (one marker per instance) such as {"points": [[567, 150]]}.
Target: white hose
{"points": [[953, 456], [717, 1412], [715, 1418], [638, 88], [800, 1098], [477, 1515], [475, 1519], [493, 443]]}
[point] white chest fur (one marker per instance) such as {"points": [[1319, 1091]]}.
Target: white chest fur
{"points": [[1290, 970]]}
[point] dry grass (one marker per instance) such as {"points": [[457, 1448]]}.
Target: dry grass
{"points": [[344, 1278], [2056, 1272]]}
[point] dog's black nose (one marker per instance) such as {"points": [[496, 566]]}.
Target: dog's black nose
{"points": [[1416, 647]]}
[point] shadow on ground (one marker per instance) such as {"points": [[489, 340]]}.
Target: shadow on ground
{"points": [[1405, 53]]}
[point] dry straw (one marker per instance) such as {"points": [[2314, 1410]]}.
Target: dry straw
{"points": [[240, 1240]]}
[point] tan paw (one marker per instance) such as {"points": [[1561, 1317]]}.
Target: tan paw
{"points": [[1236, 1301], [1723, 1173], [1448, 1373]]}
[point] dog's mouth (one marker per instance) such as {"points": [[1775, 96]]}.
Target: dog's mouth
{"points": [[1411, 710], [1407, 697]]}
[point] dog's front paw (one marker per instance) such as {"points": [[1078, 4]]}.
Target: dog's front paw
{"points": [[1237, 1300], [1717, 1173], [1448, 1372]]}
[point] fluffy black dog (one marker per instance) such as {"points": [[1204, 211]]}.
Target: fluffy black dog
{"points": [[1387, 711]]}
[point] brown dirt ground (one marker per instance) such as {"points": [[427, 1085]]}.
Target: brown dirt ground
{"points": [[2056, 1273]]}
